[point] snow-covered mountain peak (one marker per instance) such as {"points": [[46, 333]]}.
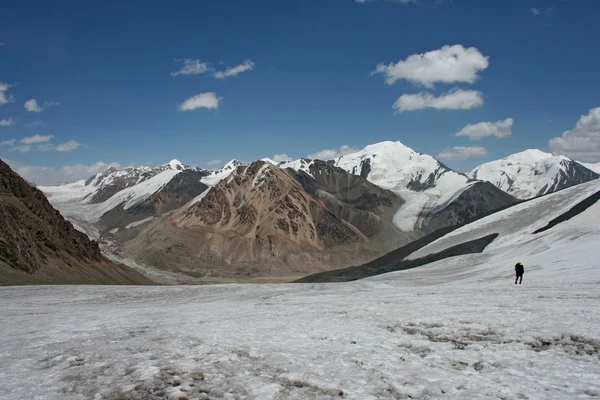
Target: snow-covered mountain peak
{"points": [[175, 165], [217, 175], [302, 164], [270, 161], [533, 173], [393, 165], [233, 164], [529, 156]]}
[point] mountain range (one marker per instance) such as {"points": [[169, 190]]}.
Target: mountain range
{"points": [[269, 221]]}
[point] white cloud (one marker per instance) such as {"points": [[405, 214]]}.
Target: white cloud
{"points": [[68, 146], [57, 175], [36, 139], [32, 105], [281, 157], [581, 143], [192, 67], [247, 65], [203, 100], [22, 149], [500, 129], [4, 96], [453, 100], [10, 142], [330, 154], [545, 12], [214, 162], [461, 153], [448, 64], [7, 122]]}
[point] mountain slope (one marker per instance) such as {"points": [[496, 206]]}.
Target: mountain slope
{"points": [[38, 246], [533, 173], [569, 231]]}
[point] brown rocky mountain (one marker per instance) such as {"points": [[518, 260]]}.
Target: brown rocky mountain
{"points": [[261, 221], [38, 246]]}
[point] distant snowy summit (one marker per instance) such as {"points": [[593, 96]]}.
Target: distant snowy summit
{"points": [[533, 173]]}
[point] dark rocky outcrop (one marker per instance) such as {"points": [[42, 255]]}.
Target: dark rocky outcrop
{"points": [[184, 187], [37, 245], [481, 198]]}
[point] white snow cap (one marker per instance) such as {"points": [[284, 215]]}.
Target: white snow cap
{"points": [[270, 161], [525, 174], [175, 164]]}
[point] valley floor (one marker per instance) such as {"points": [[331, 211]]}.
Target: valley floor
{"points": [[387, 338]]}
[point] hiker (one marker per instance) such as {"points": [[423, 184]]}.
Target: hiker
{"points": [[519, 270]]}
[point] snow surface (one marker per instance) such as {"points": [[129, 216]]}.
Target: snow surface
{"points": [[524, 174], [455, 329]]}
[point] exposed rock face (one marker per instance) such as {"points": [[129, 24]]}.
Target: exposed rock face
{"points": [[37, 245], [482, 198], [350, 197], [261, 200]]}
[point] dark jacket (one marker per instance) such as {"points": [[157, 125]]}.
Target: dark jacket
{"points": [[519, 269]]}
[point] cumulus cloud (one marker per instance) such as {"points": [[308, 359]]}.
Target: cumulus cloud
{"points": [[461, 153], [500, 129], [36, 139], [7, 122], [207, 100], [453, 100], [4, 96], [68, 146], [32, 105], [581, 143], [56, 175], [191, 67], [247, 65], [214, 162], [10, 142], [330, 154], [447, 65], [281, 158]]}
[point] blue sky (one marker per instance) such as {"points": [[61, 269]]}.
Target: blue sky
{"points": [[101, 74]]}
